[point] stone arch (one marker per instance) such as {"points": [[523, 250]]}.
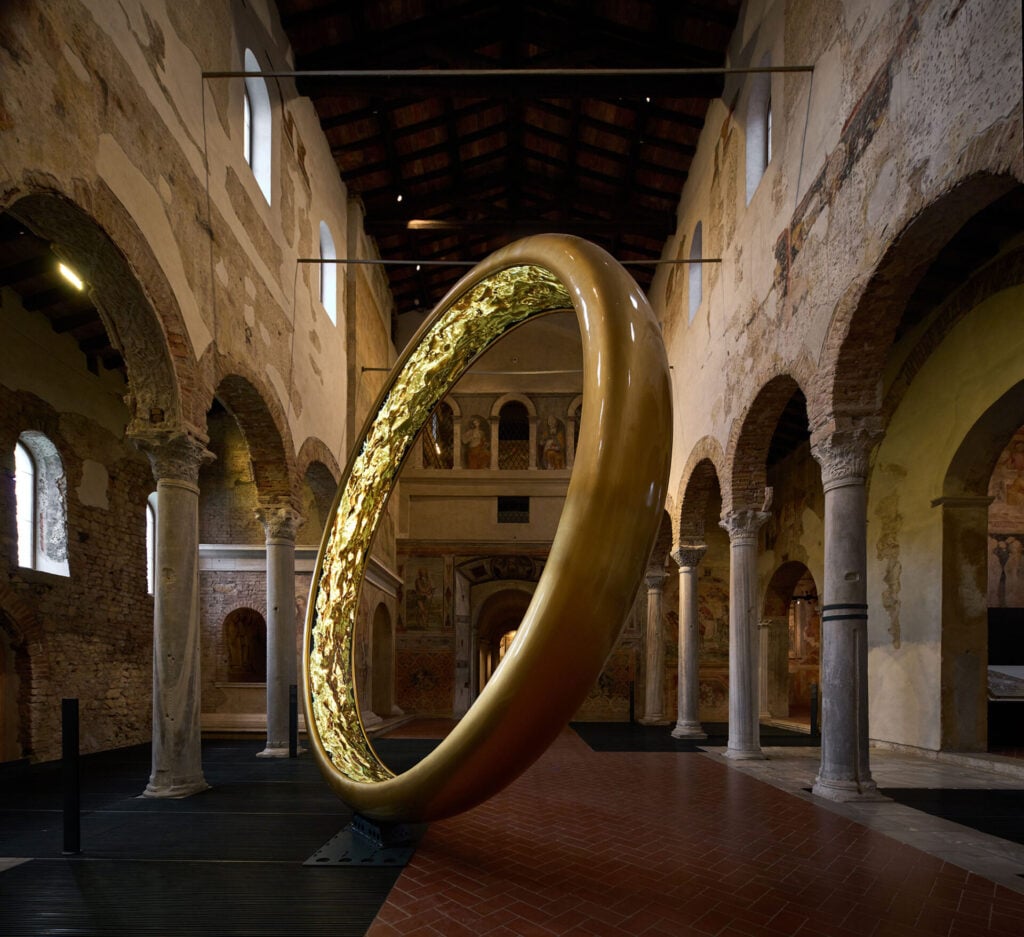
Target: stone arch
{"points": [[499, 613], [315, 450], [751, 437], [791, 639], [965, 548], [318, 487], [700, 480], [263, 424], [95, 234], [866, 318], [531, 409]]}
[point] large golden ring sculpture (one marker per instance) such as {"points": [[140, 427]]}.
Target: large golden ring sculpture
{"points": [[610, 518]]}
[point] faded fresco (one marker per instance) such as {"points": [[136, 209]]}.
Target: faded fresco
{"points": [[1006, 527], [551, 444], [424, 594], [476, 443]]}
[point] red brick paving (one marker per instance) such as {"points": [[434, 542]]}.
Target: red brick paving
{"points": [[663, 844]]}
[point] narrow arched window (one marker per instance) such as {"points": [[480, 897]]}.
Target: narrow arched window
{"points": [[758, 129], [25, 497], [151, 544], [257, 125], [695, 269], [328, 274], [514, 436], [39, 490]]}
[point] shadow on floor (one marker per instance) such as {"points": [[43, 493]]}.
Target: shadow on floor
{"points": [[632, 737], [227, 861]]}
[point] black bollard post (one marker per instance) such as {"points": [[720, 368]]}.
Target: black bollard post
{"points": [[293, 721], [70, 776], [814, 709]]}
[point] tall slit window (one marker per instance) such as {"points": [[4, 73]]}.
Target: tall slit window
{"points": [[328, 274], [759, 128], [39, 491], [151, 544], [256, 120], [695, 268]]}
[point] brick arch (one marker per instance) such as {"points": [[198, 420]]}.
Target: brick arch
{"points": [[866, 317], [263, 424], [751, 436], [27, 638], [131, 292], [531, 409], [315, 450], [700, 481], [780, 588]]}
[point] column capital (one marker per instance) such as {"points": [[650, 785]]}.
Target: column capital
{"points": [[689, 555], [174, 455], [655, 578], [742, 526], [843, 454], [280, 521]]}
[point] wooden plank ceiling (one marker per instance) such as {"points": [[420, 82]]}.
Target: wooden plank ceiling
{"points": [[452, 169]]}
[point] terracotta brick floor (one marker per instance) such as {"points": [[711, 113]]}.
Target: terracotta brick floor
{"points": [[666, 844]]}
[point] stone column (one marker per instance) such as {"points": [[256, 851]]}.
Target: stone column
{"points": [[532, 458], [688, 709], [177, 769], [654, 695], [744, 728], [844, 773], [774, 660], [280, 522]]}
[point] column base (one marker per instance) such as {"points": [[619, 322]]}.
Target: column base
{"points": [[689, 730], [745, 754], [845, 791], [653, 721], [177, 790], [275, 750]]}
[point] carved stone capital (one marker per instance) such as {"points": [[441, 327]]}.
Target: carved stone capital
{"points": [[280, 521], [689, 555], [742, 526], [174, 456], [844, 454], [655, 578]]}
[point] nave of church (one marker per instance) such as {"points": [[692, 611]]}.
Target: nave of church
{"points": [[221, 226]]}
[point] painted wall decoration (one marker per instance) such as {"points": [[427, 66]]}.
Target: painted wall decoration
{"points": [[476, 443], [1006, 527], [425, 680], [424, 593], [551, 444]]}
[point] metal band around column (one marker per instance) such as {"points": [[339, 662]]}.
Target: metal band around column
{"points": [[847, 611], [609, 520]]}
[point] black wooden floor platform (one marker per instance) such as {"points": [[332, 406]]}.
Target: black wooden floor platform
{"points": [[224, 862]]}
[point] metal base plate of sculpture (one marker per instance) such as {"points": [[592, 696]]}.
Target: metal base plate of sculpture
{"points": [[612, 511]]}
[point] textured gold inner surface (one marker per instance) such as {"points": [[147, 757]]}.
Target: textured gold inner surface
{"points": [[474, 321]]}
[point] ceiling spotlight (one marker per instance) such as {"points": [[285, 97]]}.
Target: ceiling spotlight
{"points": [[417, 268], [399, 198], [73, 278]]}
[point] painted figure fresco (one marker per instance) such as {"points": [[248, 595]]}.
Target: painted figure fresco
{"points": [[551, 445], [476, 444]]}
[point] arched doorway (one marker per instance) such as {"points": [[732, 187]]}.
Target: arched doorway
{"points": [[382, 651], [790, 645], [497, 623]]}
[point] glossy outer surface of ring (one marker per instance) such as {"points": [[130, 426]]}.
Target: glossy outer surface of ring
{"points": [[612, 511]]}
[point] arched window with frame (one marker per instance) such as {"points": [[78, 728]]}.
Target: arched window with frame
{"points": [[256, 120], [39, 491], [328, 274]]}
